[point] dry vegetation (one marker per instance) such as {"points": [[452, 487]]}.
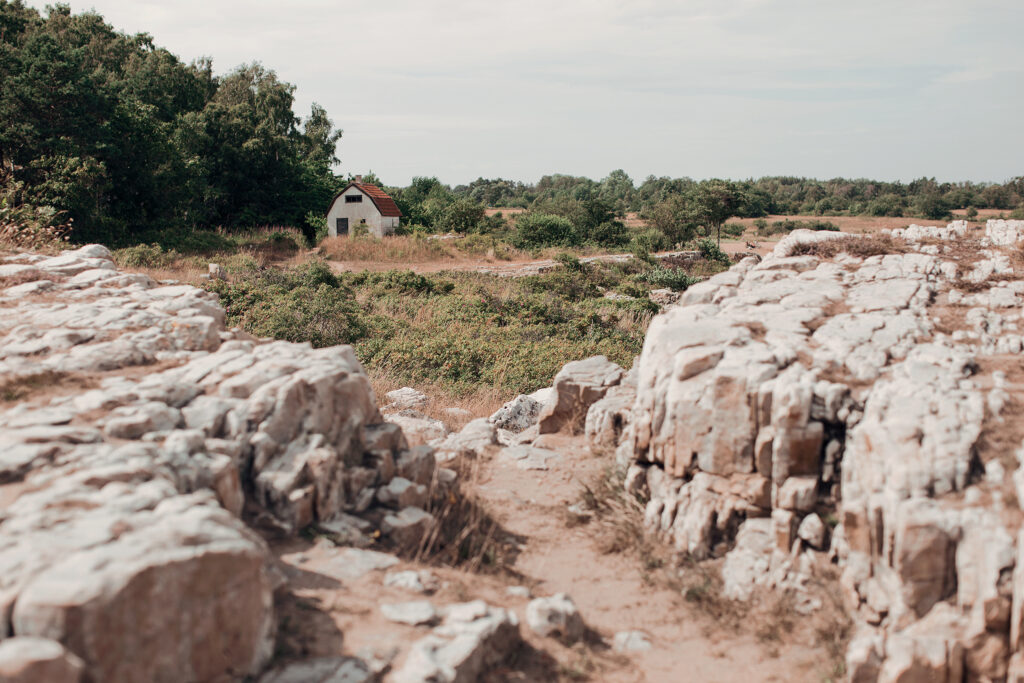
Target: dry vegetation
{"points": [[864, 247]]}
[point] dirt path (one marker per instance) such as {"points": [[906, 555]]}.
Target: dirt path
{"points": [[330, 613], [611, 590]]}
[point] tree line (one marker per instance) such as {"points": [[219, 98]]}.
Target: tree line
{"points": [[120, 136], [784, 195]]}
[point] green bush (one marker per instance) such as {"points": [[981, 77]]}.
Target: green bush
{"points": [[710, 250], [570, 262], [144, 256], [647, 242], [733, 229], [672, 278], [317, 223], [537, 230], [609, 234]]}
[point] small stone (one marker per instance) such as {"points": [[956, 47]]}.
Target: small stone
{"points": [[402, 493], [518, 414], [556, 616], [322, 670], [352, 563], [812, 531], [631, 641], [404, 398], [518, 592], [408, 527], [415, 613], [416, 581]]}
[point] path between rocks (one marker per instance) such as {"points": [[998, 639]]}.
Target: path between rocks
{"points": [[334, 594], [609, 589]]}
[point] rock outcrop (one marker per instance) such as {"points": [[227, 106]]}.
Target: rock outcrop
{"points": [[148, 439], [802, 408]]}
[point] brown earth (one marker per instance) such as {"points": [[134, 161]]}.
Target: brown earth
{"points": [[554, 552]]}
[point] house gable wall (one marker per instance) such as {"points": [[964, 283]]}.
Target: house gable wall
{"points": [[357, 212]]}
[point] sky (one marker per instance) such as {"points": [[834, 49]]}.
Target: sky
{"points": [[460, 89]]}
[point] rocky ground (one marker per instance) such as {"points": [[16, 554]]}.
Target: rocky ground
{"points": [[829, 431]]}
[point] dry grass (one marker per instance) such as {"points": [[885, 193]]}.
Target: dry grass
{"points": [[442, 404], [29, 276], [387, 250], [466, 535], [865, 247], [48, 382], [46, 239]]}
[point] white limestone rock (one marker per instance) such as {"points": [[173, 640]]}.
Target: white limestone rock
{"points": [[556, 617], [473, 638], [578, 385]]}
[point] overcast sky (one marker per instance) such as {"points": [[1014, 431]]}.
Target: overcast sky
{"points": [[886, 89]]}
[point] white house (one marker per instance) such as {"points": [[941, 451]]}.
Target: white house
{"points": [[362, 204]]}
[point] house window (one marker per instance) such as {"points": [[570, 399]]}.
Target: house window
{"points": [[353, 198], [362, 221]]}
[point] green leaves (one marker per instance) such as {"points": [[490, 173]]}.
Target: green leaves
{"points": [[124, 138]]}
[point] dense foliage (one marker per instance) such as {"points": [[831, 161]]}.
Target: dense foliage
{"points": [[124, 138], [770, 195]]}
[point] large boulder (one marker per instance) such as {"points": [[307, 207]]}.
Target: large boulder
{"points": [[578, 385], [180, 591]]}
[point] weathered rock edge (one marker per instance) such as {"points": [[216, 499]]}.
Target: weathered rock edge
{"points": [[121, 507], [797, 389]]}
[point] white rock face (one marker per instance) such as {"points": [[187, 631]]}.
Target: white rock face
{"points": [[120, 531], [578, 385], [518, 414], [792, 395]]}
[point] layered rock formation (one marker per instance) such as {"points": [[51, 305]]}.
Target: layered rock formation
{"points": [[147, 433], [820, 406]]}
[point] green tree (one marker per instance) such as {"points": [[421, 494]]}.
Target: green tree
{"points": [[673, 218], [712, 203]]}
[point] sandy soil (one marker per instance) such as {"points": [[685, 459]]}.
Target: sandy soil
{"points": [[327, 616]]}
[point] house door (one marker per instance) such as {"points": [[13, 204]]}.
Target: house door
{"points": [[342, 227]]}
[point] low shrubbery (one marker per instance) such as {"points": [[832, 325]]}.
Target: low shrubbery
{"points": [[458, 330], [671, 278]]}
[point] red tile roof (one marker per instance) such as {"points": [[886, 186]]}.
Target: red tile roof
{"points": [[381, 199]]}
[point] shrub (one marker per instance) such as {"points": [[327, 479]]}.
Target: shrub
{"points": [[317, 223], [570, 262], [609, 234], [188, 242], [710, 250], [733, 229], [26, 227], [535, 230], [886, 205], [672, 278], [307, 304], [144, 256]]}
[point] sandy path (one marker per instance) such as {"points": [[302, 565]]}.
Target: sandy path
{"points": [[610, 590], [328, 616]]}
